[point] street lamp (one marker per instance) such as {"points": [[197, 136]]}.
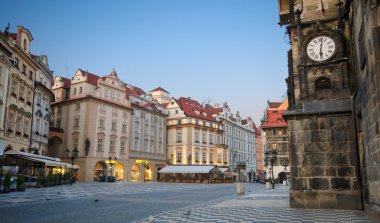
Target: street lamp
{"points": [[285, 163], [111, 161], [270, 156], [74, 155]]}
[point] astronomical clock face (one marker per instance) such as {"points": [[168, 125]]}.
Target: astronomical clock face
{"points": [[321, 48]]}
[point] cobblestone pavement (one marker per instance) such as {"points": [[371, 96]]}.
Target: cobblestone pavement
{"points": [[81, 190], [263, 206]]}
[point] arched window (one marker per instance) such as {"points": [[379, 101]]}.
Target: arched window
{"points": [[323, 88]]}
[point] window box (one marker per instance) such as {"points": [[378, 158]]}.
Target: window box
{"points": [[204, 142], [196, 141], [204, 161]]}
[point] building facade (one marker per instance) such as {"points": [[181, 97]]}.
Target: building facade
{"points": [[17, 84], [148, 135], [324, 161], [239, 136], [43, 97], [194, 135], [93, 114], [276, 138], [260, 167]]}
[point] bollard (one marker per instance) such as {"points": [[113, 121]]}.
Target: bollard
{"points": [[240, 188]]}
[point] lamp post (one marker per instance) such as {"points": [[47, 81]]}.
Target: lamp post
{"points": [[270, 156], [74, 154], [111, 161], [285, 163]]}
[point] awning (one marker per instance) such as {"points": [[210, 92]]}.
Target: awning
{"points": [[223, 169], [46, 160], [189, 169]]}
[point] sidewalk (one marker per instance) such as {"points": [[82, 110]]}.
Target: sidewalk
{"points": [[257, 206]]}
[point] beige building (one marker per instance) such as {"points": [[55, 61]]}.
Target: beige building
{"points": [[194, 136], [148, 135], [17, 75], [92, 114]]}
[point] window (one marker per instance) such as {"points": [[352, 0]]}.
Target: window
{"points": [[176, 111], [124, 127], [179, 156], [75, 91], [106, 94], [204, 156], [26, 127], [25, 44], [112, 146], [196, 155], [114, 111], [179, 135], [102, 107], [1, 75], [30, 75], [39, 98], [122, 147], [76, 122], [80, 90], [75, 143], [101, 123], [17, 63], [23, 71], [113, 126], [37, 127], [204, 136], [219, 157], [14, 88], [18, 125], [211, 156], [211, 137], [59, 123], [59, 109], [77, 106], [196, 135], [11, 119], [112, 95], [100, 145]]}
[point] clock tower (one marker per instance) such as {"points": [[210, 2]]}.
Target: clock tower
{"points": [[324, 165]]}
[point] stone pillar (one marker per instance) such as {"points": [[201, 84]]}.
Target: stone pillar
{"points": [[323, 164]]}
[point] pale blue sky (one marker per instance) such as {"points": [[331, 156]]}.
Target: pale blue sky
{"points": [[217, 50]]}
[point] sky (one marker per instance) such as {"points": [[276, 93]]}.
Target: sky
{"points": [[213, 51]]}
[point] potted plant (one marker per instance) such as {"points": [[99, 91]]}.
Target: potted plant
{"points": [[60, 179], [7, 183], [20, 183]]}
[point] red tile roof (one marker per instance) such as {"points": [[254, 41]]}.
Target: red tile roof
{"points": [[91, 78], [67, 82], [274, 104], [165, 104], [213, 110], [275, 119], [190, 107], [160, 89]]}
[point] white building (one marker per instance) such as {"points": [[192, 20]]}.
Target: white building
{"points": [[148, 135], [43, 97], [239, 135]]}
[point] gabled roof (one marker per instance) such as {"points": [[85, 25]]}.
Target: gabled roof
{"points": [[91, 78], [274, 104], [160, 89]]}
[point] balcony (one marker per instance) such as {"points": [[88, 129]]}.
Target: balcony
{"points": [[223, 146]]}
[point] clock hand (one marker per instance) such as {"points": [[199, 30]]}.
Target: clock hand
{"points": [[320, 48]]}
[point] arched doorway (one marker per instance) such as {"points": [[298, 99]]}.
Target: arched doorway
{"points": [[135, 173], [100, 172], [281, 177], [119, 172], [148, 173]]}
